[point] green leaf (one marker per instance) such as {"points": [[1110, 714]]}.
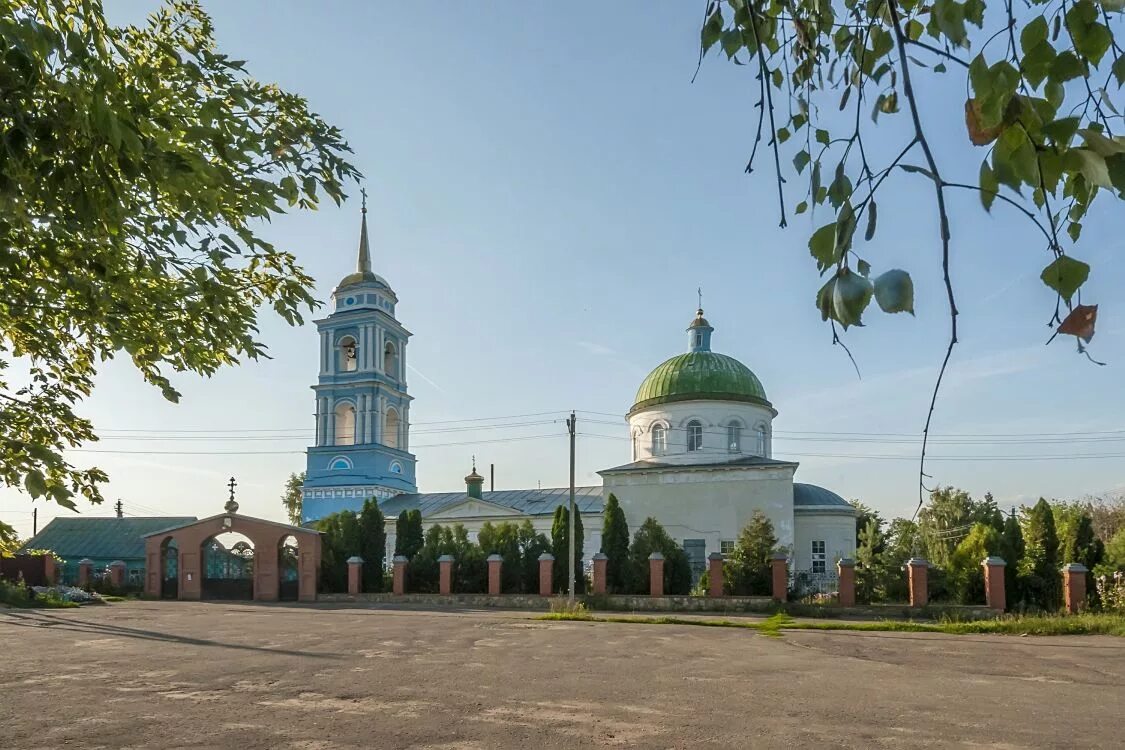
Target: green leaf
{"points": [[802, 207], [845, 230], [782, 135], [822, 245], [824, 299], [1101, 145], [989, 186], [863, 267], [1074, 229], [34, 483], [712, 30], [732, 42], [1065, 275], [1034, 33], [1017, 154], [1116, 166], [949, 16], [1119, 69], [801, 160], [851, 294], [1066, 67], [1090, 165], [1091, 38], [822, 136], [894, 291], [1062, 131]]}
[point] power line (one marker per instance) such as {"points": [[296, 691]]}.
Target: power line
{"points": [[301, 452], [561, 413]]}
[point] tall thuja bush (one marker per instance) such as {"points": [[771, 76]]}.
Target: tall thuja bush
{"points": [[1012, 550], [342, 538], [470, 575], [965, 572], [747, 571], [503, 539], [1040, 565], [532, 544], [560, 548], [615, 546], [372, 544], [651, 537], [408, 533]]}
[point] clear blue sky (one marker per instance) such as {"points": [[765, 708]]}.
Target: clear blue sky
{"points": [[548, 189]]}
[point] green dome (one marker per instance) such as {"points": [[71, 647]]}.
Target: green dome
{"points": [[700, 375]]}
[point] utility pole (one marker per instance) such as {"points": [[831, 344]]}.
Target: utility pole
{"points": [[120, 510], [570, 425], [34, 521]]}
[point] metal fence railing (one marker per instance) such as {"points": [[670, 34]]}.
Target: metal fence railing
{"points": [[813, 584]]}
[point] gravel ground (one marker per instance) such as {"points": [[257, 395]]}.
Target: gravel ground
{"points": [[220, 675]]}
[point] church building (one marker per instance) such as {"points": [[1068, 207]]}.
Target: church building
{"points": [[701, 430]]}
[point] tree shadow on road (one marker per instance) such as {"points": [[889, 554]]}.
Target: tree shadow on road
{"points": [[54, 622]]}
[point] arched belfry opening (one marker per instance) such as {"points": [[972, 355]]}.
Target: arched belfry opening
{"points": [[390, 360], [345, 424], [392, 429], [348, 354]]}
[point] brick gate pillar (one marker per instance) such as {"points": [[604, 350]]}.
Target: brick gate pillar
{"points": [[546, 573], [715, 574], [50, 572], [85, 572], [495, 563], [445, 574], [845, 569], [1074, 587], [917, 574], [117, 574], [656, 574], [398, 584], [779, 576], [994, 595], [355, 574], [601, 565]]}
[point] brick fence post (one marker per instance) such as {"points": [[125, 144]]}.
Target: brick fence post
{"points": [[994, 594], [715, 574], [85, 572], [445, 574], [1074, 587], [917, 572], [355, 574], [546, 573], [50, 570], [656, 574], [495, 562], [845, 569], [601, 565], [779, 576], [117, 574], [398, 581]]}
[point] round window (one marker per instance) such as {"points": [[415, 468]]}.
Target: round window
{"points": [[349, 301]]}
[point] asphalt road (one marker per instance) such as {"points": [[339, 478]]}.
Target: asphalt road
{"points": [[217, 675]]}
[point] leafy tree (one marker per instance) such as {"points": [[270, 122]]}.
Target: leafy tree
{"points": [[532, 544], [863, 516], [372, 544], [747, 571], [1039, 568], [615, 546], [342, 539], [651, 537], [138, 164], [835, 80], [1115, 551], [504, 540], [965, 573], [291, 497], [9, 542], [560, 548], [408, 533], [946, 520]]}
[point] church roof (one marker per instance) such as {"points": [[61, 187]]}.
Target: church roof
{"points": [[528, 502], [101, 538], [363, 273], [737, 463], [810, 495]]}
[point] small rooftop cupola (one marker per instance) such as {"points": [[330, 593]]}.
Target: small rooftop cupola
{"points": [[474, 483], [699, 333]]}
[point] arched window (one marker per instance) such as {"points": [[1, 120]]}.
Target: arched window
{"points": [[659, 440], [349, 354], [390, 429], [390, 360], [396, 467], [734, 437], [761, 439], [339, 463], [694, 436], [345, 424]]}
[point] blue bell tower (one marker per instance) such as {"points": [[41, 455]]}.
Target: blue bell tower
{"points": [[362, 408]]}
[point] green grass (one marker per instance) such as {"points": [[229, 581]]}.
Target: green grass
{"points": [[1084, 624]]}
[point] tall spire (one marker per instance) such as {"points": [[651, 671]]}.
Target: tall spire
{"points": [[364, 263]]}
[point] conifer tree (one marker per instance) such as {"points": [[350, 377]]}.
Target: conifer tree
{"points": [[615, 546], [1012, 550], [372, 544], [1040, 565], [408, 533], [560, 548], [748, 569]]}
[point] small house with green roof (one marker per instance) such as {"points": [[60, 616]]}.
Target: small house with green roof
{"points": [[101, 540]]}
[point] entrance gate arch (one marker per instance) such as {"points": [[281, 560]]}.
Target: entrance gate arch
{"points": [[267, 538]]}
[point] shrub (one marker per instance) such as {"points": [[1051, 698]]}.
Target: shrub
{"points": [[651, 537], [747, 572]]}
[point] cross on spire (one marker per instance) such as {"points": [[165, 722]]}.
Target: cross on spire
{"points": [[699, 292], [474, 463], [232, 484], [363, 195]]}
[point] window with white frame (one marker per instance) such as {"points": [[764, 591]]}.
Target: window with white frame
{"points": [[694, 436], [726, 546], [819, 559], [734, 437], [659, 439], [761, 437]]}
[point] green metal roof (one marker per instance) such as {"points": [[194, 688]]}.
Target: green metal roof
{"points": [[101, 538], [702, 375]]}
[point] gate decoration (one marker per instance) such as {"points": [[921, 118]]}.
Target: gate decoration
{"points": [[250, 571]]}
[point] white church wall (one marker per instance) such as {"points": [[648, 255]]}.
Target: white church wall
{"points": [[714, 416], [835, 529], [709, 505]]}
